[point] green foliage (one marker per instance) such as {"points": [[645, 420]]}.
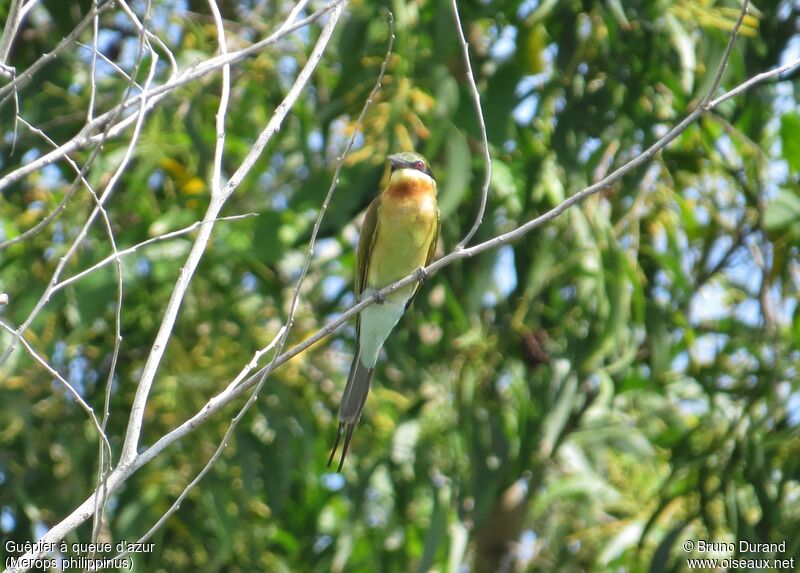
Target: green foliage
{"points": [[620, 380]]}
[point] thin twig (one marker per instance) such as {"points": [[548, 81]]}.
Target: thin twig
{"points": [[104, 466], [110, 62], [299, 7], [27, 7], [329, 196], [487, 159], [108, 120], [215, 457], [755, 80], [24, 77], [16, 13], [49, 218], [13, 21], [222, 110], [64, 382], [93, 65], [142, 28], [119, 254], [80, 178], [725, 56]]}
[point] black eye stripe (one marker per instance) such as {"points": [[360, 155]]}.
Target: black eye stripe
{"points": [[416, 165]]}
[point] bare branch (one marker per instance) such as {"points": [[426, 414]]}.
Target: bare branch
{"points": [[754, 81], [24, 77], [218, 199], [64, 382], [222, 111], [93, 65], [128, 462], [13, 21], [27, 7], [53, 215], [104, 447], [299, 7], [16, 13]]}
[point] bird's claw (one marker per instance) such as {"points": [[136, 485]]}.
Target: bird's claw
{"points": [[379, 298], [422, 274]]}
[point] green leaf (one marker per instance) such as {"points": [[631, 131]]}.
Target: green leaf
{"points": [[790, 140], [782, 211], [459, 173], [550, 187], [437, 531], [661, 556], [503, 183], [623, 540], [567, 382], [684, 45]]}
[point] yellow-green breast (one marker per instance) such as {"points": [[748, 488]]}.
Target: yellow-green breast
{"points": [[407, 219]]}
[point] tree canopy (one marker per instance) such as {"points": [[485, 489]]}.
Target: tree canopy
{"points": [[587, 397]]}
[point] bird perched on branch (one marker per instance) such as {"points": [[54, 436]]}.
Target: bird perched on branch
{"points": [[398, 236]]}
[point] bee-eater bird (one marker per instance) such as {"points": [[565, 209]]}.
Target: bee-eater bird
{"points": [[398, 236]]}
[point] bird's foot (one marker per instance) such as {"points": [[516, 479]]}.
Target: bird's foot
{"points": [[422, 274], [379, 298]]}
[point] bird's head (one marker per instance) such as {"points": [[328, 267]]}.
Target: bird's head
{"points": [[409, 166]]}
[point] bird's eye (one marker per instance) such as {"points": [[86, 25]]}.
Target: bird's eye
{"points": [[419, 165]]}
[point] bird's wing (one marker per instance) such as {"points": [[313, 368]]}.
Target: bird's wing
{"points": [[369, 230], [429, 257], [432, 248]]}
